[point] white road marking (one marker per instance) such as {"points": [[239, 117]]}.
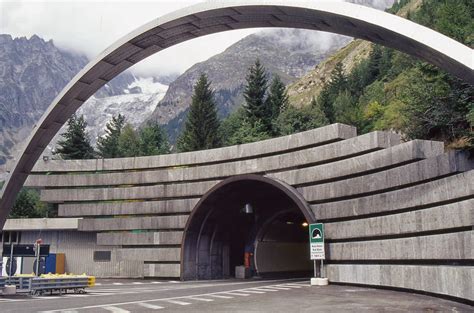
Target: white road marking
{"points": [[291, 286], [264, 289], [178, 302], [115, 309], [117, 284], [222, 297], [98, 284], [173, 281], [253, 291], [280, 288], [150, 306], [156, 282], [201, 299], [216, 294], [137, 283], [235, 293]]}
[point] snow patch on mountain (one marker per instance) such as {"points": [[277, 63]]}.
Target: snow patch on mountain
{"points": [[137, 102]]}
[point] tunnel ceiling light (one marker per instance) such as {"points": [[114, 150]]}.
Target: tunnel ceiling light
{"points": [[290, 223], [305, 224], [248, 209]]}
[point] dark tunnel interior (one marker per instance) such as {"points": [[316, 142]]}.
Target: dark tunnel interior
{"points": [[246, 223]]}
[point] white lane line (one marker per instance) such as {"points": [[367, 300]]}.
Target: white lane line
{"points": [[280, 288], [173, 281], [253, 291], [235, 293], [69, 311], [156, 282], [114, 309], [117, 284], [98, 284], [222, 297], [265, 289], [290, 286], [200, 299], [299, 284], [137, 283], [150, 306], [178, 302]]}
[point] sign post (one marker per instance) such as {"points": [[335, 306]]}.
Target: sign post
{"points": [[317, 252]]}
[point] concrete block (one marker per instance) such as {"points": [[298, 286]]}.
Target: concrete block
{"points": [[158, 254], [242, 272], [140, 239], [455, 281], [133, 223], [454, 215], [127, 208], [369, 162], [446, 189], [312, 137], [398, 177], [162, 270], [189, 190], [453, 246]]}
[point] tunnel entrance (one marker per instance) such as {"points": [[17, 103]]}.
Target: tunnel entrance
{"points": [[250, 221]]}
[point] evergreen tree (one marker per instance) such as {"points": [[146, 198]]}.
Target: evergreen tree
{"points": [[28, 205], [293, 120], [75, 144], [338, 83], [107, 145], [201, 127], [153, 140], [277, 101], [254, 94], [128, 143]]}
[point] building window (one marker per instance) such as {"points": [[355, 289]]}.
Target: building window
{"points": [[102, 256]]}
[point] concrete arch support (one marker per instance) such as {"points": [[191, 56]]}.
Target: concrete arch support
{"points": [[218, 16]]}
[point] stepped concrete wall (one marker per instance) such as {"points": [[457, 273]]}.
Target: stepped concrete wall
{"points": [[397, 214]]}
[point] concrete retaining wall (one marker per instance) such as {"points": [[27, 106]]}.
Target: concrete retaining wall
{"points": [[396, 214]]}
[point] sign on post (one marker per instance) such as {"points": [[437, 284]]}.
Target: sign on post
{"points": [[316, 241]]}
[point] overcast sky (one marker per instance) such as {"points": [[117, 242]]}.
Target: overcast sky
{"points": [[88, 27]]}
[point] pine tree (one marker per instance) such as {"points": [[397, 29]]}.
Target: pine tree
{"points": [[128, 143], [107, 145], [153, 140], [254, 94], [277, 101], [201, 127], [75, 144]]}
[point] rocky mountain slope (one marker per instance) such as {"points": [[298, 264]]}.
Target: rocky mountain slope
{"points": [[289, 53], [303, 90], [33, 72]]}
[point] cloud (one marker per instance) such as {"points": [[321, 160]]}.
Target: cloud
{"points": [[88, 27]]}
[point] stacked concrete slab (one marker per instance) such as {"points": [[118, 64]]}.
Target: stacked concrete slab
{"points": [[397, 214]]}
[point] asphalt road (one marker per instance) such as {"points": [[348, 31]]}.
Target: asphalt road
{"points": [[122, 296]]}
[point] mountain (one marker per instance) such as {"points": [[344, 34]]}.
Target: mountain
{"points": [[304, 89], [34, 71], [136, 102], [290, 53]]}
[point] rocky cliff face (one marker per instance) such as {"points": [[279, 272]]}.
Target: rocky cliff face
{"points": [[34, 71], [288, 53], [310, 85]]}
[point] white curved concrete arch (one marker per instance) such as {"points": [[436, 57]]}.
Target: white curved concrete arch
{"points": [[218, 16]]}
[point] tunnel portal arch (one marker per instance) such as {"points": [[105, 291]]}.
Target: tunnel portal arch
{"points": [[219, 16], [218, 230]]}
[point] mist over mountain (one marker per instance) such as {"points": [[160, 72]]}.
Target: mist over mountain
{"points": [[289, 53]]}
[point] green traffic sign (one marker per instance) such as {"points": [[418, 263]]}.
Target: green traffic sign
{"points": [[316, 233]]}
